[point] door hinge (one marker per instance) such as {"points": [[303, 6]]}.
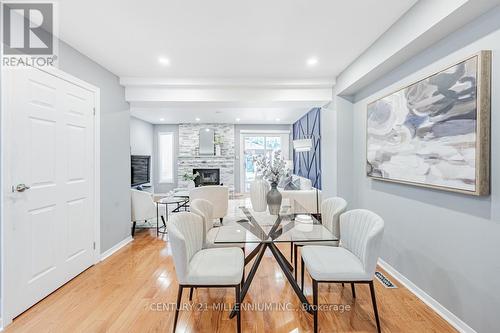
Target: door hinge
{"points": [[94, 245], [94, 111]]}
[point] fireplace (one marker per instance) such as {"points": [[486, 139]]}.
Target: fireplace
{"points": [[207, 177]]}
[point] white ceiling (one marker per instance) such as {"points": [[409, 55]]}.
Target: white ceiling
{"points": [[250, 42], [226, 38], [218, 114]]}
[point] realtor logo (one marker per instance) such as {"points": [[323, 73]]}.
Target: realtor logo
{"points": [[28, 28], [28, 37]]}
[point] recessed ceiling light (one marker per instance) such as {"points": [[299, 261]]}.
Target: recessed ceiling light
{"points": [[197, 119], [278, 119], [162, 119], [238, 119], [313, 61], [164, 61]]}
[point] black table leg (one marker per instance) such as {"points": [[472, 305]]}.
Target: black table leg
{"points": [[261, 249], [183, 204], [252, 254], [164, 224], [287, 263], [176, 210], [288, 273], [255, 265]]}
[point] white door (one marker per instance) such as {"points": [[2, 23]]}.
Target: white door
{"points": [[49, 224], [255, 144]]}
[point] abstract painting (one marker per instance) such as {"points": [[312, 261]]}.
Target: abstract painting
{"points": [[435, 132]]}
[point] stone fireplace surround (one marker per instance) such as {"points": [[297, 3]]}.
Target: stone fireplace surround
{"points": [[188, 159]]}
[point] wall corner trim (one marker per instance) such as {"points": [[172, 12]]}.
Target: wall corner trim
{"points": [[115, 248], [446, 314]]}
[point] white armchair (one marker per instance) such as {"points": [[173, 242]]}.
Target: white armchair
{"points": [[204, 209], [354, 261], [198, 267], [217, 195], [143, 207]]}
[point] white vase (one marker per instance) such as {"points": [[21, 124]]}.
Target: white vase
{"points": [[191, 184], [217, 150], [258, 191]]}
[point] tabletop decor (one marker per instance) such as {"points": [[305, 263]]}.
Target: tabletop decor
{"points": [[435, 132], [304, 218], [272, 168], [258, 192]]}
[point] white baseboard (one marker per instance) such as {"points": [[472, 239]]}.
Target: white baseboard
{"points": [[115, 248], [446, 314]]}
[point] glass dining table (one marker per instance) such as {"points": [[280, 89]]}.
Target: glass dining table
{"points": [[292, 224]]}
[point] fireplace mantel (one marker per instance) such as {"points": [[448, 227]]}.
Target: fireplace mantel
{"points": [[187, 160]]}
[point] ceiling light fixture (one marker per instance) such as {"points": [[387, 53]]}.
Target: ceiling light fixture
{"points": [[238, 119], [312, 61], [164, 61], [197, 119], [162, 119], [278, 119]]}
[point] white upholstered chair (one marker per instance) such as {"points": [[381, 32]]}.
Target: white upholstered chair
{"points": [[143, 207], [198, 267], [331, 209], [354, 261], [204, 208], [217, 195]]}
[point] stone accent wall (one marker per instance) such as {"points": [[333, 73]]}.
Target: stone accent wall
{"points": [[188, 158]]}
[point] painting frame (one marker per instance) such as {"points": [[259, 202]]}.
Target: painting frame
{"points": [[483, 128]]}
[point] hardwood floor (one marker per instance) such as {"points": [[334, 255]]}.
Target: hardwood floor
{"points": [[132, 291]]}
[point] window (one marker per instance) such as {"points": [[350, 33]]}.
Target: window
{"points": [[166, 157], [256, 144]]}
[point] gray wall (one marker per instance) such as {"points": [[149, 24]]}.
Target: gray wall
{"points": [[336, 149], [447, 244], [165, 187], [257, 127], [142, 140], [115, 144]]}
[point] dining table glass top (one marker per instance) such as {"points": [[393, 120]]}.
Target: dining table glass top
{"points": [[292, 224]]}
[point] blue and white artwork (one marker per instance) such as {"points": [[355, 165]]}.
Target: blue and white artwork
{"points": [[425, 134]]}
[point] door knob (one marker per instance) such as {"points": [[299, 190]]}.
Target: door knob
{"points": [[22, 187]]}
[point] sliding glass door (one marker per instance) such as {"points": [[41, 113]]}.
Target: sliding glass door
{"points": [[256, 144]]}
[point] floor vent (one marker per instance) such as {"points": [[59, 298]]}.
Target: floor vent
{"points": [[385, 281]]}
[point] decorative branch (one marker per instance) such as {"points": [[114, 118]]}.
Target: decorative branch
{"points": [[272, 168]]}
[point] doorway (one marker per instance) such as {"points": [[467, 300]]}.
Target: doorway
{"points": [[257, 144], [50, 176]]}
